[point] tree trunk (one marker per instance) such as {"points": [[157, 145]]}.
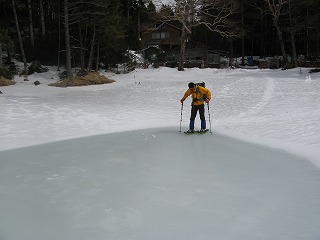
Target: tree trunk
{"points": [[98, 57], [262, 40], [31, 24], [43, 25], [283, 50], [19, 36], [242, 36], [294, 50], [231, 53], [59, 37], [67, 36], [182, 49], [91, 51], [1, 61], [81, 49], [293, 41], [307, 38], [275, 8]]}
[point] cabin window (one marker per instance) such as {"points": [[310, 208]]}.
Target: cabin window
{"points": [[160, 35], [155, 35]]}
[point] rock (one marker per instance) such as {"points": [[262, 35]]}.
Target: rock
{"points": [[315, 70], [37, 83]]}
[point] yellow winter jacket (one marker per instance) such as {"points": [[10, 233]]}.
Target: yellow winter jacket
{"points": [[198, 95]]}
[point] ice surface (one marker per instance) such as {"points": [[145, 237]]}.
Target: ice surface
{"points": [[157, 184]]}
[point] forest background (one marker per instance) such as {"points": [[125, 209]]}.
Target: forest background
{"points": [[86, 34]]}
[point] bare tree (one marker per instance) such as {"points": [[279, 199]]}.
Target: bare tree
{"points": [[19, 36], [59, 37], [292, 34], [1, 40], [275, 8], [31, 24], [81, 48], [43, 25], [1, 61], [214, 14], [67, 39], [97, 57], [90, 61]]}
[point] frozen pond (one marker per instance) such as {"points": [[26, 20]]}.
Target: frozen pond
{"points": [[157, 184]]}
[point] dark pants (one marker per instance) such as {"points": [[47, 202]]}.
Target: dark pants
{"points": [[194, 110]]}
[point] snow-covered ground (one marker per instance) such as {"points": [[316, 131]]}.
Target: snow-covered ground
{"points": [[142, 179], [272, 107]]}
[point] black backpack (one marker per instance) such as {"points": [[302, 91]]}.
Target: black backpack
{"points": [[202, 84]]}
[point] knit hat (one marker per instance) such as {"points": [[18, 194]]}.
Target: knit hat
{"points": [[191, 85]]}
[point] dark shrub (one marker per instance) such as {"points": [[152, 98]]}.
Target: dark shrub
{"points": [[6, 73]]}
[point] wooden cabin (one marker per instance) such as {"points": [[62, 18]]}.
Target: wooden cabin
{"points": [[163, 35], [163, 39]]}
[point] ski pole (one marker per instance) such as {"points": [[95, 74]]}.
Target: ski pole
{"points": [[181, 116], [209, 118]]}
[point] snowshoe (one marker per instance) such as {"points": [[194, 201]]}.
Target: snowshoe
{"points": [[203, 131], [190, 131]]}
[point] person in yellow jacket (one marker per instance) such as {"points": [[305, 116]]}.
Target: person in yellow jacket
{"points": [[200, 95]]}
